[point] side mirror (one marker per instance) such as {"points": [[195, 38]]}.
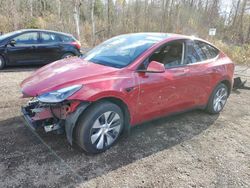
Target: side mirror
{"points": [[12, 42], [154, 67]]}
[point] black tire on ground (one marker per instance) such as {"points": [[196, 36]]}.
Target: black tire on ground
{"points": [[93, 117], [67, 55], [218, 90], [2, 62]]}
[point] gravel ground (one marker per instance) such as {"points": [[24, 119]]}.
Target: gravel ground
{"points": [[193, 149]]}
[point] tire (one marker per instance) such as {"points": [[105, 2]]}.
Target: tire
{"points": [[217, 99], [2, 62], [92, 133], [67, 55]]}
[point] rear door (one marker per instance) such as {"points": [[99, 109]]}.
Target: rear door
{"points": [[199, 59], [49, 48], [24, 51]]}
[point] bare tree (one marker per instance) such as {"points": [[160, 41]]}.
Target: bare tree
{"points": [[93, 21], [14, 14], [31, 7], [109, 23], [146, 15], [77, 17], [59, 8], [241, 34]]}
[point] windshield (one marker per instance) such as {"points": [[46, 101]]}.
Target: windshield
{"points": [[4, 36], [122, 50]]}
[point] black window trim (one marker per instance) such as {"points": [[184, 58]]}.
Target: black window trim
{"points": [[19, 34], [49, 33], [73, 39], [207, 60]]}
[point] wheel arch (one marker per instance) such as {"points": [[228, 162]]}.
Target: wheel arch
{"points": [[223, 81], [71, 121], [124, 107], [228, 84], [4, 58], [67, 52]]}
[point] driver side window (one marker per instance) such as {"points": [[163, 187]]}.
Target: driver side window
{"points": [[27, 38], [170, 55]]}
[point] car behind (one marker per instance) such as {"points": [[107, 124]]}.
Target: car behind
{"points": [[33, 46]]}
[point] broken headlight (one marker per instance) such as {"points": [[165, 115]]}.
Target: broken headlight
{"points": [[59, 95]]}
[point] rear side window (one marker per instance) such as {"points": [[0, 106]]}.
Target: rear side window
{"points": [[66, 38], [209, 51], [49, 38], [27, 38], [192, 54]]}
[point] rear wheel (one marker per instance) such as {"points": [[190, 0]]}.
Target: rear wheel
{"points": [[218, 99], [67, 55], [99, 127], [2, 62]]}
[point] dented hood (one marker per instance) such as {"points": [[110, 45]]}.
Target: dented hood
{"points": [[61, 74]]}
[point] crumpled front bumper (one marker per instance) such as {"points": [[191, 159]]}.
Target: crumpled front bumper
{"points": [[57, 115], [29, 122], [49, 116]]}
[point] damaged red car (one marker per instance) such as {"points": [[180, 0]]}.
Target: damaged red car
{"points": [[125, 81]]}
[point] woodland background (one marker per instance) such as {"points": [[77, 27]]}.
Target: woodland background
{"points": [[92, 21]]}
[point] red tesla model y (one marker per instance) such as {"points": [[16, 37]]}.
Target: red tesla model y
{"points": [[124, 81]]}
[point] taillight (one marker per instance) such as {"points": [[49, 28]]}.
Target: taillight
{"points": [[77, 44]]}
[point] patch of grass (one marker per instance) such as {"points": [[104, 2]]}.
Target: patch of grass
{"points": [[239, 54]]}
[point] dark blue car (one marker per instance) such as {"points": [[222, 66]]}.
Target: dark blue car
{"points": [[33, 46]]}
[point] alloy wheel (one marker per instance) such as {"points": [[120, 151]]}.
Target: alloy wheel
{"points": [[220, 99], [68, 56], [105, 129]]}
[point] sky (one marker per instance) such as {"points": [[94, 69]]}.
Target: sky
{"points": [[226, 5]]}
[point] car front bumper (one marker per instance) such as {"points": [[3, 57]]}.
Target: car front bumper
{"points": [[29, 122], [48, 116], [53, 117]]}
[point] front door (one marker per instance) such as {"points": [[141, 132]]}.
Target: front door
{"points": [[165, 93], [25, 49]]}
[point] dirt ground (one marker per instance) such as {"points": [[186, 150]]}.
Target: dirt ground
{"points": [[193, 149]]}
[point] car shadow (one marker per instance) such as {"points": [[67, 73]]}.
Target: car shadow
{"points": [[23, 68], [144, 140]]}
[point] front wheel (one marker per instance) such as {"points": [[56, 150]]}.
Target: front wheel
{"points": [[99, 127], [218, 99], [2, 62]]}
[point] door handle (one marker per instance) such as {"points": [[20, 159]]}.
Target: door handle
{"points": [[129, 89], [181, 73]]}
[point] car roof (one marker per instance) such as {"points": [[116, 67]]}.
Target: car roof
{"points": [[44, 30], [164, 36]]}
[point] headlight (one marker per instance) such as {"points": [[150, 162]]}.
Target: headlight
{"points": [[59, 95]]}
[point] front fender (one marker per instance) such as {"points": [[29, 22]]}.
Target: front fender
{"points": [[71, 120]]}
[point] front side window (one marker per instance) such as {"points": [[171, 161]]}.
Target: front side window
{"points": [[7, 35], [49, 38], [170, 55], [27, 38]]}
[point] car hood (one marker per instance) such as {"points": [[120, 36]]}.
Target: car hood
{"points": [[61, 74]]}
